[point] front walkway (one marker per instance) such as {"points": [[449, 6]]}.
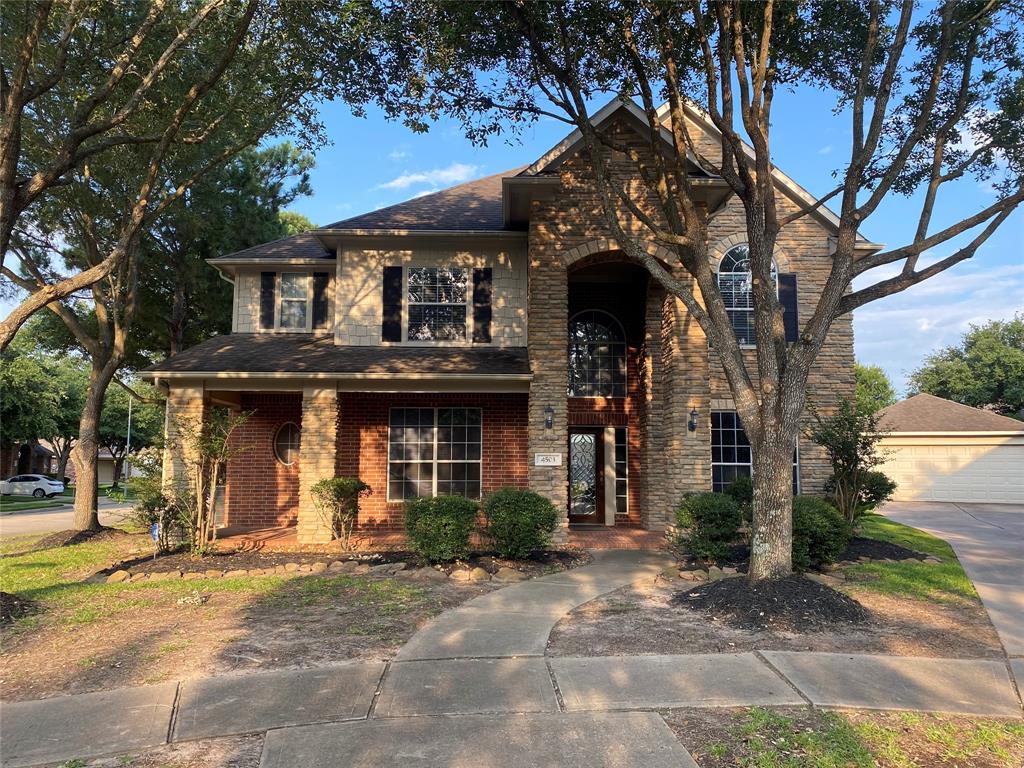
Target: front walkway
{"points": [[989, 542], [473, 688]]}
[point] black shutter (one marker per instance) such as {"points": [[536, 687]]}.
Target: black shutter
{"points": [[482, 306], [391, 322], [267, 281], [787, 297], [320, 282]]}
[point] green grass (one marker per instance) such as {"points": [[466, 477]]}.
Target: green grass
{"points": [[958, 741], [943, 582], [773, 740], [103, 490], [23, 503]]}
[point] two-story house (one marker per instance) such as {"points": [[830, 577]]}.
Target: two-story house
{"points": [[489, 335]]}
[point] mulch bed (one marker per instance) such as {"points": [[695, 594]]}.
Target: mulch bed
{"points": [[878, 550], [13, 607], [794, 604]]}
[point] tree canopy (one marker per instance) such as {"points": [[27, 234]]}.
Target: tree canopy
{"points": [[874, 390], [985, 370]]}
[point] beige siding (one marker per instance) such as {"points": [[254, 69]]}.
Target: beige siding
{"points": [[360, 288], [246, 315]]}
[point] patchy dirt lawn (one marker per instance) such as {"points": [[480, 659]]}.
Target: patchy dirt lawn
{"points": [[641, 619], [794, 738], [87, 635]]}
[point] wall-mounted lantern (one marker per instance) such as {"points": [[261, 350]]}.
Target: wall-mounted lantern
{"points": [[549, 417], [692, 423]]}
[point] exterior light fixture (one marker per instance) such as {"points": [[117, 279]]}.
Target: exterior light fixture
{"points": [[692, 423], [549, 417]]}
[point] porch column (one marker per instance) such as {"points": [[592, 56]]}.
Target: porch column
{"points": [[186, 409], [548, 309], [317, 451]]}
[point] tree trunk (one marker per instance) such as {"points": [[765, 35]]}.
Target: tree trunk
{"points": [[86, 452], [63, 454], [118, 469], [771, 545]]}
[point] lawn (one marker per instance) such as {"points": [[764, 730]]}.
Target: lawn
{"points": [[944, 582], [25, 503], [113, 635], [795, 738]]}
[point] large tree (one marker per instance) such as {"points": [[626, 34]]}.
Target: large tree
{"points": [[873, 389], [929, 95], [985, 370]]}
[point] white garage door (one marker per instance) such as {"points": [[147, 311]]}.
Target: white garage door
{"points": [[956, 468]]}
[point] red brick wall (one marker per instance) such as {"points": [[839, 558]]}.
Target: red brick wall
{"points": [[363, 441], [261, 491]]}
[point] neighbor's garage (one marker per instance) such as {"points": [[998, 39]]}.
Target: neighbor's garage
{"points": [[939, 450]]}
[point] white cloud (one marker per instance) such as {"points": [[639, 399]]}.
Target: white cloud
{"points": [[453, 174], [398, 153], [425, 192], [900, 331], [827, 149]]}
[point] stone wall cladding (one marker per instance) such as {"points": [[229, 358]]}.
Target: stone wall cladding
{"points": [[261, 491], [362, 445], [246, 316], [360, 274], [185, 405], [317, 459]]}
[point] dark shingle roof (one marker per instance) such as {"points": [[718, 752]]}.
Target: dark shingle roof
{"points": [[302, 246], [475, 205], [253, 353], [928, 413]]}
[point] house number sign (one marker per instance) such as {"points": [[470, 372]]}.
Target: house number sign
{"points": [[547, 459]]}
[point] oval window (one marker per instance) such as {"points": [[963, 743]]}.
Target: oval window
{"points": [[286, 443]]}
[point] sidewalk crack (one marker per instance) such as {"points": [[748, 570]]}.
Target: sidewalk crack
{"points": [[785, 679]]}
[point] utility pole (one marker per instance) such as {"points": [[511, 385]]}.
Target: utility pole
{"points": [[128, 441]]}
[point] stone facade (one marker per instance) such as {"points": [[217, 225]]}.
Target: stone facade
{"points": [[246, 315]]}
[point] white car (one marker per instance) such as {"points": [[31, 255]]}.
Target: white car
{"points": [[39, 486]]}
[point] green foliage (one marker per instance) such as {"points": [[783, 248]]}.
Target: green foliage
{"points": [[820, 534], [708, 523], [337, 502], [294, 223], [874, 390], [439, 527], [742, 491], [27, 396], [985, 370], [776, 740], [850, 437], [519, 521], [147, 421]]}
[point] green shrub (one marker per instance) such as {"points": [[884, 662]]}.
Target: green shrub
{"points": [[337, 502], [742, 491], [875, 488], [820, 534], [519, 522], [439, 527], [709, 523]]}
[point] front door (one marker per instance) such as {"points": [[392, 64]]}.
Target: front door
{"points": [[586, 475]]}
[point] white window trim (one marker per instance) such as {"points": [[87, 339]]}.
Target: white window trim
{"points": [[713, 463], [435, 461], [278, 299], [718, 273], [467, 340]]}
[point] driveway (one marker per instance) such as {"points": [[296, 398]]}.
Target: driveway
{"points": [[989, 540], [57, 519]]}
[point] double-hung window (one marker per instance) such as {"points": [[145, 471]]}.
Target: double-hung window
{"points": [[438, 298], [434, 452], [736, 286], [730, 452], [294, 300]]}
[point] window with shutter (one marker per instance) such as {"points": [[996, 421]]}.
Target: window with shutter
{"points": [[321, 283], [391, 319], [482, 305], [268, 281]]}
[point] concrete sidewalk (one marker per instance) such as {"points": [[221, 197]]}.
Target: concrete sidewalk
{"points": [[474, 688]]}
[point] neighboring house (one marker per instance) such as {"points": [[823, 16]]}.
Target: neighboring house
{"points": [[493, 335], [938, 450], [31, 458], [104, 467]]}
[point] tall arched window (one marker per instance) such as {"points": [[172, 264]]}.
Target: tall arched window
{"points": [[734, 282], [597, 355]]}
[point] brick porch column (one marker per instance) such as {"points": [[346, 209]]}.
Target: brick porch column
{"points": [[185, 405], [548, 310], [317, 451]]}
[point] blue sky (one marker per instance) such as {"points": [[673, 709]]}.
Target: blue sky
{"points": [[372, 163]]}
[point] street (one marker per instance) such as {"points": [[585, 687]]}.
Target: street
{"points": [[46, 520]]}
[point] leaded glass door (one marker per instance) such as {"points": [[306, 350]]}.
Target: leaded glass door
{"points": [[586, 475]]}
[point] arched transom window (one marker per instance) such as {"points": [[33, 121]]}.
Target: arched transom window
{"points": [[597, 356], [734, 282]]}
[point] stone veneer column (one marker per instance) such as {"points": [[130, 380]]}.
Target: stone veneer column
{"points": [[317, 458], [184, 405], [548, 309]]}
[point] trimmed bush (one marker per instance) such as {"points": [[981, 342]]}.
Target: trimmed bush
{"points": [[820, 534], [709, 523], [337, 502], [742, 491], [875, 488], [519, 522], [439, 527]]}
